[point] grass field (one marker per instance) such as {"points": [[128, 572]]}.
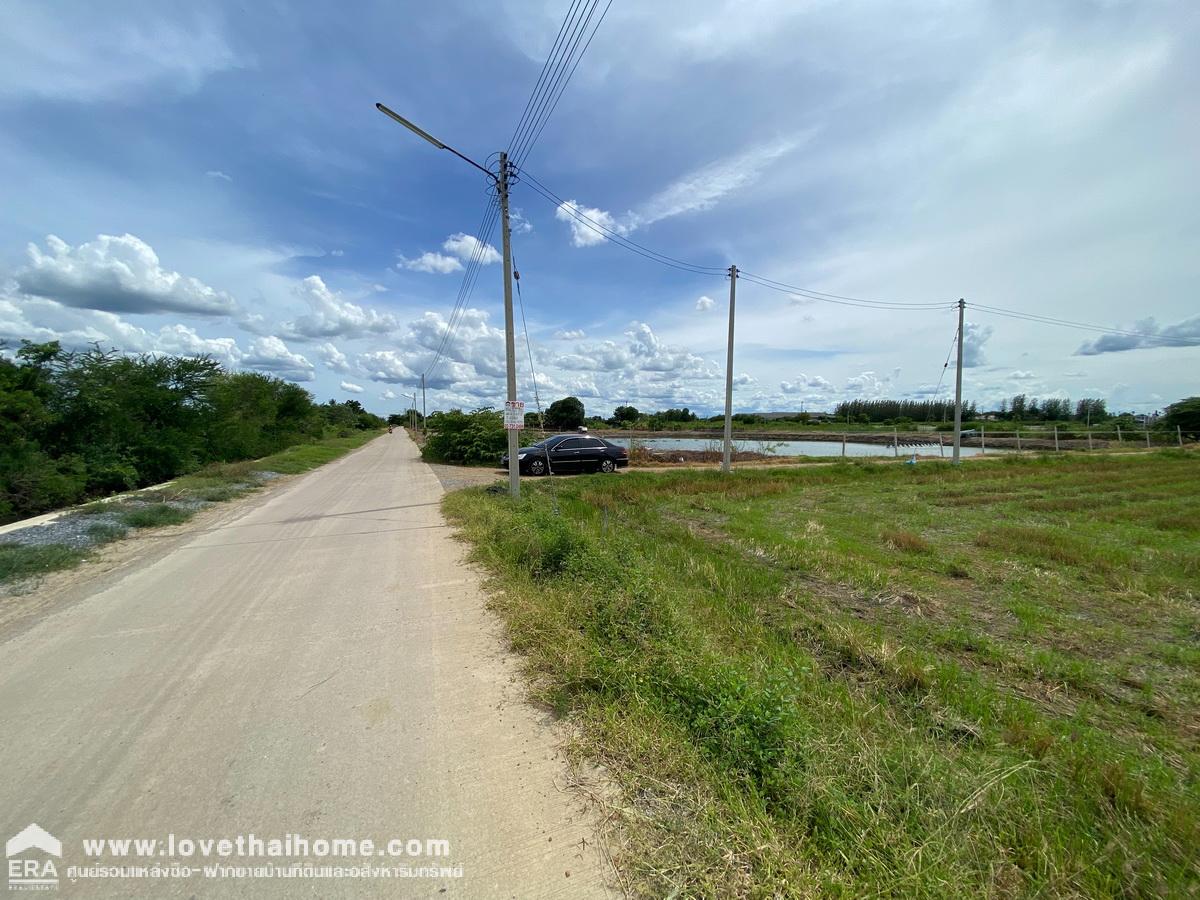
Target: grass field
{"points": [[874, 680], [169, 506]]}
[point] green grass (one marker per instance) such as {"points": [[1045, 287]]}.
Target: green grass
{"points": [[18, 562], [868, 680], [304, 457], [215, 484], [155, 515]]}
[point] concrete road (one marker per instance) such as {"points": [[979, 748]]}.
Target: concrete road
{"points": [[316, 662]]}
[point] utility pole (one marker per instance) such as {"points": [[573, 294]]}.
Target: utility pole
{"points": [[727, 452], [510, 351], [962, 305], [422, 403], [501, 182]]}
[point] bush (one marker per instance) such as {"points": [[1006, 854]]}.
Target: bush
{"points": [[472, 438]]}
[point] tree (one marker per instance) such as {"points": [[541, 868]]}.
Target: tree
{"points": [[566, 413], [1184, 415], [624, 416], [1091, 409]]}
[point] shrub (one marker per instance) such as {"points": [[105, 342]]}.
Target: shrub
{"points": [[472, 438]]}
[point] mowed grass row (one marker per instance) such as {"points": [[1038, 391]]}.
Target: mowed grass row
{"points": [[868, 680], [214, 483]]}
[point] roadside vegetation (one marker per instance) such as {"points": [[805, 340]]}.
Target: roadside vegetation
{"points": [[77, 426], [83, 530], [866, 680]]}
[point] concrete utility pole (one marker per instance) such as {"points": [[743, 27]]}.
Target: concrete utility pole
{"points": [[422, 403], [510, 352], [501, 182], [727, 452], [962, 305]]}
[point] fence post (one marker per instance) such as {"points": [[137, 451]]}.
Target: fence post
{"points": [[1089, 431], [941, 447], [843, 444], [895, 442], [1018, 440], [1147, 438], [1179, 435], [1055, 438], [1120, 438], [982, 442]]}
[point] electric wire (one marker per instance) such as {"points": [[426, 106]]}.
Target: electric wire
{"points": [[616, 238], [537, 87], [540, 111], [1067, 323], [467, 285], [783, 287], [553, 106], [937, 392]]}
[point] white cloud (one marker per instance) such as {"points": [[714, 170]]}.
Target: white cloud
{"points": [[352, 388], [518, 223], [333, 358], [569, 334], [1182, 334], [217, 174], [270, 354], [806, 384], [433, 263], [475, 342], [584, 233], [387, 366], [976, 336], [116, 274], [705, 303], [333, 316], [704, 187], [388, 394], [868, 386], [465, 246], [337, 253], [95, 54]]}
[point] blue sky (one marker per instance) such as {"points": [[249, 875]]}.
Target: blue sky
{"points": [[214, 178]]}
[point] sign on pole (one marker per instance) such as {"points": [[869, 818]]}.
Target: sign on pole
{"points": [[514, 415]]}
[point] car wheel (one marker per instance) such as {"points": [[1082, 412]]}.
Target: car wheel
{"points": [[607, 466], [537, 467]]}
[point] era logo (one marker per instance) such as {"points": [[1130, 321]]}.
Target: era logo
{"points": [[27, 872]]}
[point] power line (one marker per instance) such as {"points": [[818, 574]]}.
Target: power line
{"points": [[822, 296], [560, 68], [1084, 326], [529, 148], [550, 83], [537, 87], [467, 286], [615, 237], [844, 301]]}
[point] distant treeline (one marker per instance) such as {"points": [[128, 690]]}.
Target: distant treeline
{"points": [[77, 425], [871, 411]]}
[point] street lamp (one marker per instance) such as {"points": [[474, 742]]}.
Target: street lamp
{"points": [[501, 182]]}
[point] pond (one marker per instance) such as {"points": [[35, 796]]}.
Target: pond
{"points": [[797, 448]]}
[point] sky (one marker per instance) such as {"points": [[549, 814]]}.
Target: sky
{"points": [[213, 178]]}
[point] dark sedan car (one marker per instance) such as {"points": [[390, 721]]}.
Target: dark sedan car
{"points": [[570, 453]]}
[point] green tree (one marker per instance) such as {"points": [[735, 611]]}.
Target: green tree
{"points": [[1184, 415], [623, 416], [567, 413]]}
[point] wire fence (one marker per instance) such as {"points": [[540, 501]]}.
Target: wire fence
{"points": [[974, 442]]}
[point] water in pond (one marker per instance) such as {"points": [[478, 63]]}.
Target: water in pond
{"points": [[795, 448]]}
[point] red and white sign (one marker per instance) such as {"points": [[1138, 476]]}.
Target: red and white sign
{"points": [[514, 415]]}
